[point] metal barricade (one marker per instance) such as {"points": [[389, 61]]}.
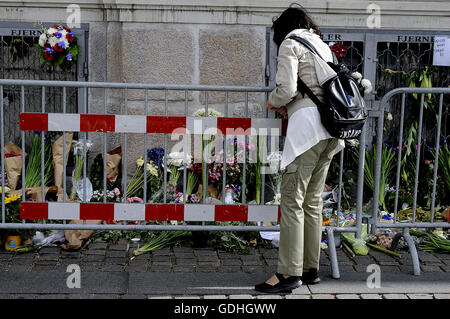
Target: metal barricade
{"points": [[406, 226], [105, 123]]}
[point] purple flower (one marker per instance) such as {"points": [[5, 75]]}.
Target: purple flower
{"points": [[69, 57], [58, 35], [62, 44]]}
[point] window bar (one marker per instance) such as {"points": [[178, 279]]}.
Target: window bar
{"points": [[144, 197], [22, 133], [124, 171], [105, 111], [224, 168], [64, 149], [42, 150], [185, 149], [419, 137], [166, 93], [399, 155], [244, 177], [436, 161], [205, 156], [341, 168], [2, 151]]}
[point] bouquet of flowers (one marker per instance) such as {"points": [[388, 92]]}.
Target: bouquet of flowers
{"points": [[78, 150], [137, 181], [58, 45], [33, 169], [338, 49]]}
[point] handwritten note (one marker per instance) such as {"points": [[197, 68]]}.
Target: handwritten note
{"points": [[441, 52]]}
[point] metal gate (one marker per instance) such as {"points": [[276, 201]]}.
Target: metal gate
{"points": [[19, 60]]}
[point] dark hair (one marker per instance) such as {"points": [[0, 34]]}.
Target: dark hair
{"points": [[294, 17]]}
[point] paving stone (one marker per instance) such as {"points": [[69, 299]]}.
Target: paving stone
{"points": [[160, 268], [346, 268], [112, 268], [129, 296], [185, 261], [229, 268], [231, 262], [228, 256], [43, 268], [116, 254], [18, 268], [446, 268], [420, 296], [441, 296], [136, 268], [186, 297], [90, 258], [251, 269], [347, 296], [100, 252], [389, 269], [185, 255], [162, 252], [388, 263], [50, 250], [22, 296], [427, 257], [51, 296], [214, 297], [268, 297], [53, 257], [115, 261], [5, 296], [428, 268], [161, 259], [323, 296], [98, 245], [272, 262], [205, 253], [395, 296], [120, 248], [206, 268], [292, 296], [159, 297], [371, 296], [183, 249], [161, 264], [240, 297], [205, 258], [45, 263], [104, 296], [183, 268], [208, 263], [363, 260]]}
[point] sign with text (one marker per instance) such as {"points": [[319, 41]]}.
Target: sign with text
{"points": [[441, 51]]}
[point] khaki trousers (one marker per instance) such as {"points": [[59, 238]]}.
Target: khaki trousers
{"points": [[301, 208]]}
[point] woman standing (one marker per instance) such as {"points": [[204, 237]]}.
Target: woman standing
{"points": [[307, 153]]}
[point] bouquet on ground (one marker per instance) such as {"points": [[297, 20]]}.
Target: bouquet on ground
{"points": [[80, 148], [58, 45]]}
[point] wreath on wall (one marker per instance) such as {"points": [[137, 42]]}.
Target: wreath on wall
{"points": [[58, 46]]}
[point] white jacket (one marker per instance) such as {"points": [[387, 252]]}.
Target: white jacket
{"points": [[294, 60]]}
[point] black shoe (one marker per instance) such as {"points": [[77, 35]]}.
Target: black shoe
{"points": [[311, 277], [285, 285]]}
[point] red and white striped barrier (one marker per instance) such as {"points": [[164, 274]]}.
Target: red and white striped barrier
{"points": [[149, 212], [151, 124]]}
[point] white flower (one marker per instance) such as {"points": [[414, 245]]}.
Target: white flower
{"points": [[366, 85], [140, 161], [211, 112], [389, 117], [357, 76], [50, 31], [177, 159], [53, 41], [42, 39], [274, 160]]}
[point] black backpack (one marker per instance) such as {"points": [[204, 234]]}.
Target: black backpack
{"points": [[343, 113]]}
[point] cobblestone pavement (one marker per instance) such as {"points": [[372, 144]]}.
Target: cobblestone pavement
{"points": [[122, 275]]}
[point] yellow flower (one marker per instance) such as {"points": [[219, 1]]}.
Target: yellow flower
{"points": [[7, 189], [12, 198]]}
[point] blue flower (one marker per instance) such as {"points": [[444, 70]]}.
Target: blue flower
{"points": [[69, 57], [156, 155], [62, 44], [58, 35]]}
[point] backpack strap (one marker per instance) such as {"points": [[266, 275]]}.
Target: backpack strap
{"points": [[301, 86]]}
